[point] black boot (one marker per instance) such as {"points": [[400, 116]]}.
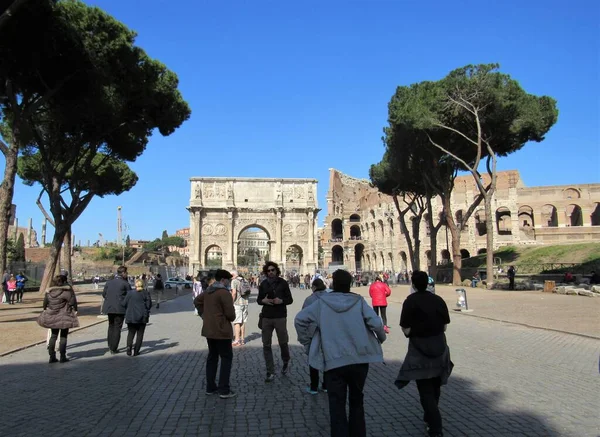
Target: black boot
{"points": [[63, 358], [62, 348], [52, 357], [129, 350]]}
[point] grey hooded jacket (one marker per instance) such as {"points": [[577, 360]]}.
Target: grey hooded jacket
{"points": [[339, 329]]}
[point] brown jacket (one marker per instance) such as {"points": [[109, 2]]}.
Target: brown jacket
{"points": [[215, 306], [60, 305]]}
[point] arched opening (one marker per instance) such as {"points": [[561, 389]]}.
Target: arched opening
{"points": [[428, 256], [575, 215], [549, 216], [480, 222], [369, 262], [373, 234], [445, 258], [482, 251], [503, 221], [358, 256], [403, 259], [293, 257], [595, 217], [355, 233], [213, 256], [354, 218], [526, 217], [391, 258], [464, 254], [374, 265], [337, 231], [382, 232], [337, 255], [253, 246], [382, 260], [372, 212]]}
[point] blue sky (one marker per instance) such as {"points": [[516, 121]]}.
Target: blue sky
{"points": [[292, 88]]}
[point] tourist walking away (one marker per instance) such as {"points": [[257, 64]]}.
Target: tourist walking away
{"points": [[197, 290], [137, 315], [5, 278], [216, 309], [379, 292], [511, 272], [240, 292], [423, 320], [59, 315], [318, 288], [11, 286], [274, 295], [21, 280], [159, 288], [114, 294], [343, 335]]}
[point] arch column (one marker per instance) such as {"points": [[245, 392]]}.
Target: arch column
{"points": [[229, 261], [310, 262], [278, 257]]}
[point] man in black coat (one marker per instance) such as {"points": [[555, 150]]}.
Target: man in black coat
{"points": [[114, 293]]}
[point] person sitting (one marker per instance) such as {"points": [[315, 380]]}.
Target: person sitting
{"points": [[569, 278], [595, 278], [475, 279]]}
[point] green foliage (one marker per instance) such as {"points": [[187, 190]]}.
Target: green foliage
{"points": [[11, 249], [114, 254], [217, 262], [154, 246], [173, 241], [127, 241], [165, 235], [19, 254]]}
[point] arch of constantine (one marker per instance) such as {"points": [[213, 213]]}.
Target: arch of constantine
{"points": [[221, 209]]}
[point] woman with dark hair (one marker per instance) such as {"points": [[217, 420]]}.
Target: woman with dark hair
{"points": [[60, 314], [423, 320], [274, 295], [318, 288]]}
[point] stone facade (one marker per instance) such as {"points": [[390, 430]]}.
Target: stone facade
{"points": [[221, 209], [361, 230]]}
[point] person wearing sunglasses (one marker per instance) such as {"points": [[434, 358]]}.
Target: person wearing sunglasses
{"points": [[274, 295]]}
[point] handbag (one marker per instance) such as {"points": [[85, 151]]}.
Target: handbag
{"points": [[260, 324]]}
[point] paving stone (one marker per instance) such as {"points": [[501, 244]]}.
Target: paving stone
{"points": [[508, 380]]}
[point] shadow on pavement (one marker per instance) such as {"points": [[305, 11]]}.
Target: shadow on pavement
{"points": [[169, 388]]}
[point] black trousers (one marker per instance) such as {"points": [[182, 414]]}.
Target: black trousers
{"points": [[218, 348], [62, 346], [314, 379], [115, 324], [347, 382], [383, 313], [429, 393], [135, 330], [511, 283]]}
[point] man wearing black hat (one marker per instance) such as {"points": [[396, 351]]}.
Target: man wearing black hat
{"points": [[214, 305]]}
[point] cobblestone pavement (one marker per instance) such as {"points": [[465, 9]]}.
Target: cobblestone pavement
{"points": [[509, 380]]}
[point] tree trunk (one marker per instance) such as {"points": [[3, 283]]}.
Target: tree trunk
{"points": [[7, 190], [433, 251], [404, 230], [57, 241], [416, 261], [489, 226], [455, 233], [66, 255]]}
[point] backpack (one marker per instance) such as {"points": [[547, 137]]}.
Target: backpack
{"points": [[158, 284], [245, 288]]}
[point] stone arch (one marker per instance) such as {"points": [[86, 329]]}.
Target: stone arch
{"points": [[337, 255], [374, 259], [575, 215], [482, 251], [337, 229], [464, 254], [373, 233], [381, 228], [503, 221], [251, 252], [354, 218], [372, 212], [526, 216], [358, 256], [428, 257], [571, 193], [294, 257], [368, 257], [549, 216], [213, 256], [403, 261], [355, 233], [480, 222], [595, 216]]}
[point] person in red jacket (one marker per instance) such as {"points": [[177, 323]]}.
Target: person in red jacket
{"points": [[379, 292]]}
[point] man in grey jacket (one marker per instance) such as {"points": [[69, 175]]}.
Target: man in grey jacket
{"points": [[342, 335], [114, 293]]}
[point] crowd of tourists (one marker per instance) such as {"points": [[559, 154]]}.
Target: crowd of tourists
{"points": [[341, 333]]}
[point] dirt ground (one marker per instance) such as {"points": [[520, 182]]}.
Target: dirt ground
{"points": [[18, 326]]}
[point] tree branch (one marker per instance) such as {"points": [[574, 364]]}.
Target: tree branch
{"points": [[7, 15], [39, 204], [449, 153], [3, 147]]}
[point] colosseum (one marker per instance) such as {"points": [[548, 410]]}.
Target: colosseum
{"points": [[361, 229]]}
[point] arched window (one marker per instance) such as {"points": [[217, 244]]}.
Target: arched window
{"points": [[571, 193], [480, 222], [337, 231], [503, 222], [575, 215], [596, 215], [549, 216], [445, 257], [355, 233], [354, 218], [526, 217], [358, 256], [482, 251], [337, 255], [464, 254]]}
